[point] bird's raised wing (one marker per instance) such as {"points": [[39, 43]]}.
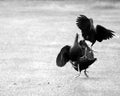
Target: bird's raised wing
{"points": [[83, 23], [63, 56], [103, 33]]}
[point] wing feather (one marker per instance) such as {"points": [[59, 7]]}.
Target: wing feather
{"points": [[63, 56], [103, 33], [83, 23]]}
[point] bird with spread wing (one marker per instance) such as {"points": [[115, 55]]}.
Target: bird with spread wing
{"points": [[79, 55], [90, 33]]}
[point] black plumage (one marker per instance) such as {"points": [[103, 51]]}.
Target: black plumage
{"points": [[83, 65], [79, 55], [69, 53], [90, 33], [63, 56]]}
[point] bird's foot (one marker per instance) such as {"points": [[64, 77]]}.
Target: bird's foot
{"points": [[78, 71], [85, 72], [73, 64], [77, 75]]}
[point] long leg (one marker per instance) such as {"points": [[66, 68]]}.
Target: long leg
{"points": [[85, 72], [78, 68], [85, 54], [78, 71], [73, 65]]}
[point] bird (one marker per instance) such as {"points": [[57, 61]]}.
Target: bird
{"points": [[69, 53], [91, 33], [79, 55], [83, 64]]}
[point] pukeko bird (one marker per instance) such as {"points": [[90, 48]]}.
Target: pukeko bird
{"points": [[79, 55], [84, 63], [69, 53], [90, 33]]}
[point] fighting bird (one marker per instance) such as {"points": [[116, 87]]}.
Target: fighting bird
{"points": [[90, 33], [79, 55], [69, 53], [83, 64]]}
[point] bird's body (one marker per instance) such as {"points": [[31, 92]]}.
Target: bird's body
{"points": [[69, 53], [76, 55], [76, 50], [83, 64], [91, 33], [80, 54]]}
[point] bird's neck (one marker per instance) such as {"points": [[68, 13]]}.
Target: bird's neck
{"points": [[76, 39], [91, 25]]}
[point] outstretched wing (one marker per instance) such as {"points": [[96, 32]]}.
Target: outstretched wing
{"points": [[63, 56], [103, 33], [84, 24]]}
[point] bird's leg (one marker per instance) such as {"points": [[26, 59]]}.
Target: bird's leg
{"points": [[85, 72], [85, 55], [78, 68], [78, 71], [73, 64]]}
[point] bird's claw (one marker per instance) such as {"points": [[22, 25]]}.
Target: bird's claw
{"points": [[85, 72], [77, 75]]}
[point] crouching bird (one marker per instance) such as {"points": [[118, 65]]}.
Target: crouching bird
{"points": [[79, 55], [90, 33]]}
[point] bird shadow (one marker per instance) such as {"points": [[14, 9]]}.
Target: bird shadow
{"points": [[89, 78]]}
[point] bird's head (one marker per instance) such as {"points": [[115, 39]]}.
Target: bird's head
{"points": [[91, 24], [76, 38], [83, 43]]}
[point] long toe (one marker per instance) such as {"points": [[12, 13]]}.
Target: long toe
{"points": [[77, 75], [85, 72]]}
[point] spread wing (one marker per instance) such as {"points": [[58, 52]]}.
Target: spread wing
{"points": [[63, 56], [103, 33], [84, 24]]}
